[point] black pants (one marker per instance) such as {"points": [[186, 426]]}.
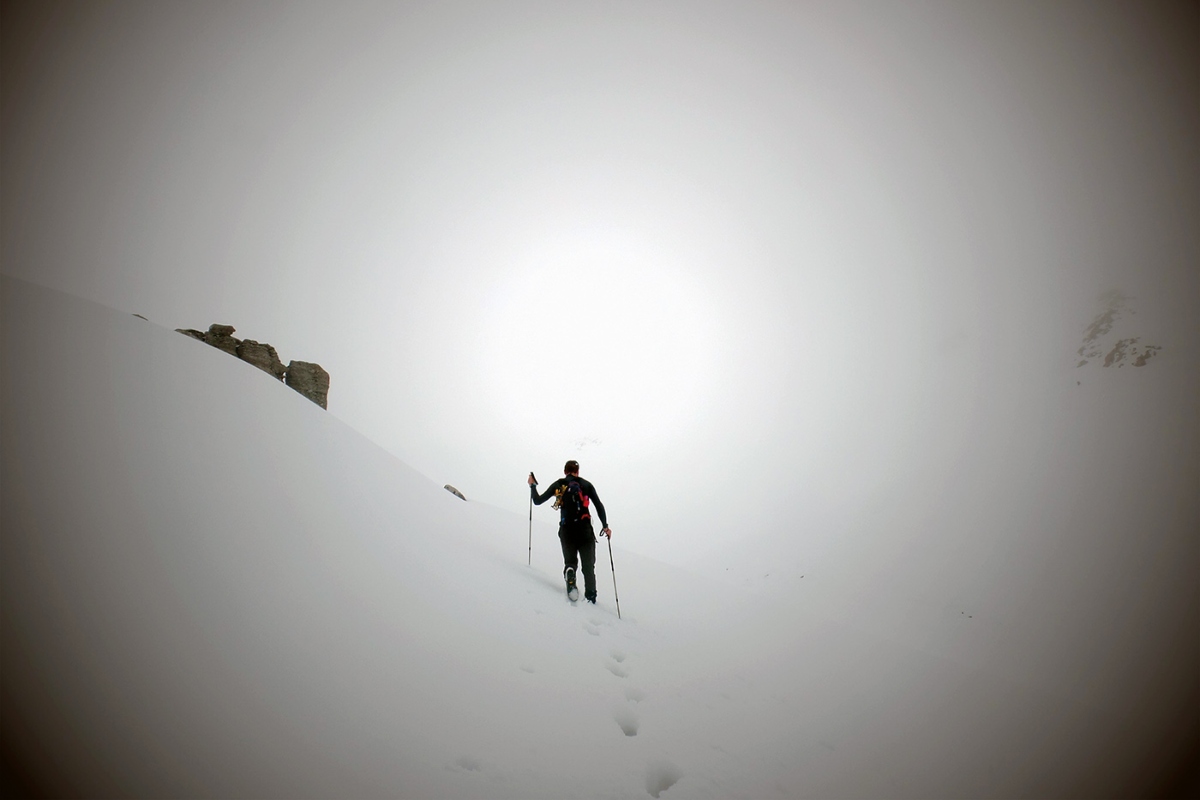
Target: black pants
{"points": [[579, 544]]}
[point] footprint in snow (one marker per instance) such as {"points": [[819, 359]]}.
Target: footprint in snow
{"points": [[592, 629], [634, 695], [617, 655], [660, 776], [468, 763], [527, 668], [616, 669], [626, 719]]}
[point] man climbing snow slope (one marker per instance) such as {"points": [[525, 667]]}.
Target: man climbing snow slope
{"points": [[573, 498]]}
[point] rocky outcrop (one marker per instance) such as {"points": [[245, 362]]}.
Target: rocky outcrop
{"points": [[221, 337], [309, 380], [262, 356], [305, 377], [1096, 337], [454, 491]]}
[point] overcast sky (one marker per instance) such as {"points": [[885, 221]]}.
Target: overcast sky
{"points": [[746, 262]]}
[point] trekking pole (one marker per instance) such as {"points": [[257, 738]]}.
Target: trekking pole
{"points": [[616, 596], [529, 557]]}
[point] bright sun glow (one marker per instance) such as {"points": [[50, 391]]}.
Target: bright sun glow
{"points": [[616, 346]]}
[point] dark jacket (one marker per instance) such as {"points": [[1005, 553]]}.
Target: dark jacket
{"points": [[589, 492]]}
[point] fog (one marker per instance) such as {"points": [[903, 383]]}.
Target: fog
{"points": [[798, 284], [705, 250]]}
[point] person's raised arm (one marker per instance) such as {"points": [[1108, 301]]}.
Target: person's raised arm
{"points": [[533, 492]]}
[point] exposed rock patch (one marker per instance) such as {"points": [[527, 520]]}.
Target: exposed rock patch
{"points": [[221, 337], [265, 358], [1097, 341], [454, 491], [307, 378], [1146, 355], [1117, 354]]}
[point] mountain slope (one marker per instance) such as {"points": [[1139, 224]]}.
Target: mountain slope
{"points": [[211, 587]]}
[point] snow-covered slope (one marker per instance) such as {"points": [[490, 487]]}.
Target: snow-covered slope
{"points": [[211, 587]]}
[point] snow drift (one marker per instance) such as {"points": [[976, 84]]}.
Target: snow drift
{"points": [[203, 597]]}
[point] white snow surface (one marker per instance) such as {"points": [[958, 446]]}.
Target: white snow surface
{"points": [[212, 587]]}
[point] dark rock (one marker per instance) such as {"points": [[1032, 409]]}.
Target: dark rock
{"points": [[262, 356], [1118, 353], [221, 337], [139, 316], [309, 380], [305, 377], [1151, 350], [454, 491]]}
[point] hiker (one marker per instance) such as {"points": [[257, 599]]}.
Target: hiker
{"points": [[574, 496]]}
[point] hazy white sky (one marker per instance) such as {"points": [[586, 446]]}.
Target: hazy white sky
{"points": [[747, 262]]}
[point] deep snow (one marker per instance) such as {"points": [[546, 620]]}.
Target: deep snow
{"points": [[211, 587]]}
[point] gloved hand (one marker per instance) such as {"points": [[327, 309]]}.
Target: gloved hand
{"points": [[607, 533]]}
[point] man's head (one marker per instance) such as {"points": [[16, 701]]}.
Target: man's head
{"points": [[571, 467]]}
